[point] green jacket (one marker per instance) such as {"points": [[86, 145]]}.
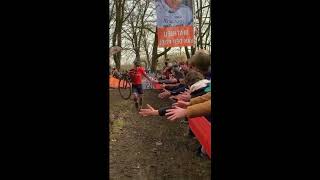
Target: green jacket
{"points": [[208, 89]]}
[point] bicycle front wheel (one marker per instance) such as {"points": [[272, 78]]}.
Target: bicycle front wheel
{"points": [[124, 88]]}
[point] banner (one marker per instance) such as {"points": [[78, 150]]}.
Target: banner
{"points": [[174, 23], [147, 84]]}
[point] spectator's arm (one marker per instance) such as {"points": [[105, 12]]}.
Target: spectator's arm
{"points": [[200, 99], [150, 111], [168, 81], [164, 70], [178, 91], [200, 109], [172, 85], [162, 111]]}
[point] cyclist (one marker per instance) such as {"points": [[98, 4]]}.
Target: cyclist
{"points": [[136, 74]]}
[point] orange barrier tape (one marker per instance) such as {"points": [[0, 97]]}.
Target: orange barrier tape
{"points": [[114, 82]]}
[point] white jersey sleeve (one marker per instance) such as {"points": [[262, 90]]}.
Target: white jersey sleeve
{"points": [[167, 17]]}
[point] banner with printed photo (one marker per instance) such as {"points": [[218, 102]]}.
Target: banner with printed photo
{"points": [[175, 23]]}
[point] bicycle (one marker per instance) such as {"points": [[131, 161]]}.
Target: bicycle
{"points": [[124, 86]]}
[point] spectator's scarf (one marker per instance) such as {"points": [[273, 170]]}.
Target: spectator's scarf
{"points": [[200, 84], [208, 89]]}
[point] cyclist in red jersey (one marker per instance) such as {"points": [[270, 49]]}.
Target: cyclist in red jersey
{"points": [[136, 74]]}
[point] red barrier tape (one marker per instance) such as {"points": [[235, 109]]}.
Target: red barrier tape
{"points": [[201, 128]]}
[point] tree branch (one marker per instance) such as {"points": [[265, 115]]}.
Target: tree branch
{"points": [[130, 12], [164, 52], [202, 8], [128, 35], [147, 28], [205, 19]]}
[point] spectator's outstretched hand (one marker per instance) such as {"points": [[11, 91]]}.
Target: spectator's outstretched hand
{"points": [[154, 81], [181, 104], [184, 97], [150, 111], [164, 94], [187, 92], [173, 97], [176, 113]]}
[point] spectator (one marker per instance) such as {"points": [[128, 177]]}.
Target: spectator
{"points": [[179, 72], [184, 67], [197, 85], [174, 89], [199, 106], [177, 82], [167, 70], [201, 62], [174, 76]]}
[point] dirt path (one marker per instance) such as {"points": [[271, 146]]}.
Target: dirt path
{"points": [[151, 147]]}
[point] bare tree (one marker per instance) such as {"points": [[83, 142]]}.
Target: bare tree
{"points": [[202, 24], [139, 27], [121, 15], [135, 31], [146, 48], [155, 54], [133, 27], [187, 52]]}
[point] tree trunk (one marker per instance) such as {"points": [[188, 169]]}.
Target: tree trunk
{"points": [[155, 54], [200, 27], [119, 54], [116, 39], [145, 45], [165, 55], [193, 50], [116, 56], [154, 59], [187, 52], [137, 52]]}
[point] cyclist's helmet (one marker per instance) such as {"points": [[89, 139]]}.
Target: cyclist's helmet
{"points": [[137, 63]]}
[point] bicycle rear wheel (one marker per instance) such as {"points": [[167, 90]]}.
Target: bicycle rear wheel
{"points": [[124, 88]]}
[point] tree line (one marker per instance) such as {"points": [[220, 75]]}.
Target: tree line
{"points": [[132, 26]]}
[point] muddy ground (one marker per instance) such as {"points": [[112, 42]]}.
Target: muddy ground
{"points": [[151, 147]]}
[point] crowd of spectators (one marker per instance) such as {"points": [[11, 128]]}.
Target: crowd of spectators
{"points": [[188, 85]]}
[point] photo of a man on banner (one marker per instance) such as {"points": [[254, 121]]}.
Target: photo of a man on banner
{"points": [[174, 23], [173, 13]]}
